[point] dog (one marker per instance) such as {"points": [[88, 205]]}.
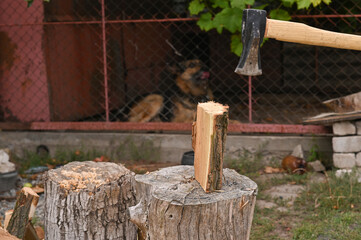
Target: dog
{"points": [[178, 97]]}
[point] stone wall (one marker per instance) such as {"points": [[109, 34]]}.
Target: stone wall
{"points": [[346, 144]]}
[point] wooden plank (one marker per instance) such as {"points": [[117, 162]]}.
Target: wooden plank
{"points": [[208, 138], [349, 103], [330, 118]]}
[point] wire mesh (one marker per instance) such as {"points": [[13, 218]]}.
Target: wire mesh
{"points": [[90, 60]]}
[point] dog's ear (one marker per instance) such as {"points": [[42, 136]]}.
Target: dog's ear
{"points": [[176, 68]]}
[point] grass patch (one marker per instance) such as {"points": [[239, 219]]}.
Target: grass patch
{"points": [[332, 209], [61, 157], [333, 225], [129, 151], [325, 210]]}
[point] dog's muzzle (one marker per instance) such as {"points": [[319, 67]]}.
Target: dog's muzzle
{"points": [[205, 75]]}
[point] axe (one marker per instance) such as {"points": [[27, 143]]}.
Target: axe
{"points": [[256, 26]]}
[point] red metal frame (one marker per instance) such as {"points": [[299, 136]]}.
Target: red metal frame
{"points": [[105, 69], [167, 126]]}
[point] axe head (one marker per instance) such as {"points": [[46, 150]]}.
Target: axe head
{"points": [[253, 29]]}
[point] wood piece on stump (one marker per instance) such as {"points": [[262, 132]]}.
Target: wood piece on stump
{"points": [[172, 205], [89, 200], [23, 212], [208, 141]]}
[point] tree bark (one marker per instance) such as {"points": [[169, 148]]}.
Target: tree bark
{"points": [[173, 205], [89, 200]]}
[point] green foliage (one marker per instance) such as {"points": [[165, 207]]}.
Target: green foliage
{"points": [[30, 2], [227, 14], [314, 153]]}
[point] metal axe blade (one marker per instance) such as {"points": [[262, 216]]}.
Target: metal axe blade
{"points": [[253, 29]]}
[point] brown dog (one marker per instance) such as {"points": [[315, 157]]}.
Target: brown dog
{"points": [[178, 98]]}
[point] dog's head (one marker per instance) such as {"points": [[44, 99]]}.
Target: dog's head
{"points": [[192, 77]]}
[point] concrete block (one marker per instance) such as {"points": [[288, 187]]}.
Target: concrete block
{"points": [[358, 159], [358, 127], [344, 128], [344, 160], [346, 144]]}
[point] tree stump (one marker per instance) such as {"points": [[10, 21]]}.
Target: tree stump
{"points": [[173, 205], [89, 200]]}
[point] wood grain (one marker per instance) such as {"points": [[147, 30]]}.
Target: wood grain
{"points": [[301, 33], [210, 135], [172, 205], [89, 200]]}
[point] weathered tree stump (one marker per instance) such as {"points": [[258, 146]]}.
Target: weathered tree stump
{"points": [[89, 200], [173, 205]]}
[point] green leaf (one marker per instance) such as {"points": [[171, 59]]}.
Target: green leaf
{"points": [[228, 18], [220, 4], [30, 2], [261, 7], [327, 1], [241, 3], [303, 4], [280, 14], [288, 3], [315, 3], [196, 7], [236, 44], [205, 22]]}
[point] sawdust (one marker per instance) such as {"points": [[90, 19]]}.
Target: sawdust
{"points": [[81, 180]]}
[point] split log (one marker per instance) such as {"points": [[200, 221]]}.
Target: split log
{"points": [[8, 215], [172, 205], [23, 212], [4, 235], [208, 141], [89, 200]]}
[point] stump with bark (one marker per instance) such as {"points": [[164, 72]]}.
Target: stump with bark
{"points": [[89, 200], [173, 205]]}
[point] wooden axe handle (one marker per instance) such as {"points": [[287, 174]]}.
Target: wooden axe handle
{"points": [[301, 33]]}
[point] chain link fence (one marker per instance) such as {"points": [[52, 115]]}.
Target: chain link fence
{"points": [[95, 60]]}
